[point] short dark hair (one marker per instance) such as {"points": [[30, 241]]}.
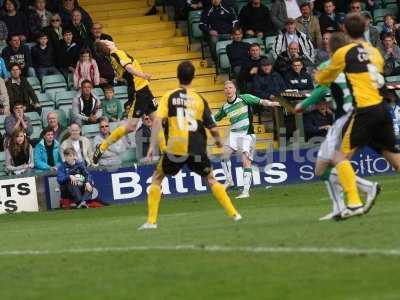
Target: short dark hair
{"points": [[45, 131], [107, 87], [338, 40], [41, 34], [255, 45], [86, 81], [13, 35], [14, 64], [185, 72], [386, 35], [17, 103], [305, 4], [297, 59], [354, 25], [67, 30], [69, 151], [236, 28]]}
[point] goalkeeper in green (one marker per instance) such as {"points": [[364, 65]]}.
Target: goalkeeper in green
{"points": [[238, 108]]}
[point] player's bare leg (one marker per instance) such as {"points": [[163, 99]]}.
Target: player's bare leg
{"points": [[247, 174], [227, 167]]}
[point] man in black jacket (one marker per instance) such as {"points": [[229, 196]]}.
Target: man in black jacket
{"points": [[267, 83], [43, 57], [217, 23], [19, 90], [297, 78], [328, 21], [250, 69], [237, 51], [318, 121], [68, 54], [255, 19], [17, 53]]}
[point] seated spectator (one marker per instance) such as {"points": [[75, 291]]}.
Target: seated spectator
{"points": [[81, 145], [318, 121], [106, 70], [4, 100], [54, 125], [250, 68], [85, 106], [20, 54], [80, 31], [328, 21], [237, 51], [3, 34], [389, 25], [217, 23], [391, 54], [355, 7], [97, 33], [284, 61], [289, 35], [38, 19], [323, 53], [67, 55], [309, 25], [86, 69], [54, 32], [66, 10], [47, 152], [111, 107], [19, 90], [394, 110], [111, 157], [282, 10], [127, 107], [43, 58], [17, 121], [3, 69], [142, 138], [255, 19], [76, 183], [18, 154], [371, 34], [267, 83], [16, 21], [297, 78]]}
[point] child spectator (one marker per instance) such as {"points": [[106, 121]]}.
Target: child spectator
{"points": [[43, 57], [86, 69], [39, 18], [20, 54], [47, 152], [76, 183], [85, 106], [111, 107], [17, 121], [67, 55], [19, 154], [16, 21]]}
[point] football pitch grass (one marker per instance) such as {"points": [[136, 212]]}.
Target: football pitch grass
{"points": [[278, 251]]}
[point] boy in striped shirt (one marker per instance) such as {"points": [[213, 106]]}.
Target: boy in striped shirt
{"points": [[241, 136]]}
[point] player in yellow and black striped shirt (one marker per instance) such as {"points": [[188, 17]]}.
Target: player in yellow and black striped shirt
{"points": [[139, 95], [186, 116], [370, 125]]}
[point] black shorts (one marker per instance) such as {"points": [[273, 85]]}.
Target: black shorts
{"points": [[144, 103], [371, 126], [171, 164]]}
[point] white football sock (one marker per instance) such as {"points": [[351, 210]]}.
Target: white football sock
{"points": [[226, 167]]}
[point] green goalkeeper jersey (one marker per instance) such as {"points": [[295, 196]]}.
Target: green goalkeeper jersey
{"points": [[239, 113]]}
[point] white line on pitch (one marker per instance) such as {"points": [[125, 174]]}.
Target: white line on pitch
{"points": [[210, 248]]}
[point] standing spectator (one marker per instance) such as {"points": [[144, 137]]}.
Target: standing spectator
{"points": [[86, 69], [4, 100], [39, 19], [289, 35], [217, 23], [85, 106], [43, 57], [237, 51], [80, 144], [111, 107], [391, 53], [328, 21], [297, 78], [18, 154], [17, 121], [19, 90], [80, 31], [389, 25], [324, 52], [282, 10], [20, 54], [54, 125], [68, 6], [309, 25], [250, 68], [142, 138], [76, 183], [111, 157], [97, 33], [267, 83], [67, 55], [47, 152], [255, 19], [3, 33], [54, 32], [318, 121], [371, 34], [16, 21]]}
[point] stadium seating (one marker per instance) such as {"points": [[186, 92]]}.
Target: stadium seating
{"points": [[90, 131], [35, 83], [53, 81]]}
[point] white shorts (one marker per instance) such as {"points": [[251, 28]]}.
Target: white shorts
{"points": [[242, 142], [333, 138]]}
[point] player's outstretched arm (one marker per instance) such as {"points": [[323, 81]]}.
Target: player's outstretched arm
{"points": [[135, 72], [266, 102], [215, 134], [317, 95]]}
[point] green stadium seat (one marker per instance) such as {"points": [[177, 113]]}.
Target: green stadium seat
{"points": [[2, 118], [99, 93], [45, 100], [90, 131], [194, 31], [128, 156], [37, 130], [223, 60], [52, 92], [53, 81], [393, 78], [62, 118], [380, 13], [34, 117], [114, 125], [35, 83], [64, 97], [70, 81], [2, 164], [269, 43], [121, 92]]}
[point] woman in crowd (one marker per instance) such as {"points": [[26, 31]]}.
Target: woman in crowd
{"points": [[15, 20], [54, 31], [19, 154], [86, 68]]}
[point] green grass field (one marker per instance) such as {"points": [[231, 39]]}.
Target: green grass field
{"points": [[278, 251]]}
